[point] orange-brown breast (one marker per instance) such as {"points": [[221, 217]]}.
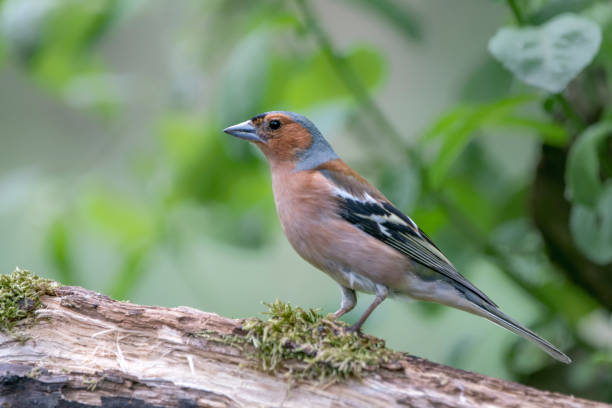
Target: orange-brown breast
{"points": [[309, 215]]}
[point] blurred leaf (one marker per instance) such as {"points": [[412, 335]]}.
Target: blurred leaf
{"points": [[569, 300], [54, 39], [95, 90], [250, 228], [549, 132], [318, 81], [550, 56], [430, 219], [245, 77], [22, 22], [402, 184], [592, 228], [456, 128], [212, 167], [221, 172], [400, 18], [552, 8], [602, 357], [183, 136], [2, 52], [59, 250], [478, 208], [280, 72], [489, 81], [230, 21], [601, 13], [582, 175], [129, 274], [75, 26], [128, 222]]}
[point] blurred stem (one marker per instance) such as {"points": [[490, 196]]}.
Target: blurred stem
{"points": [[130, 274], [567, 108], [569, 111], [361, 94], [346, 73], [516, 11]]}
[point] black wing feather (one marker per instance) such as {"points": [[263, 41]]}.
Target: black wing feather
{"points": [[386, 223]]}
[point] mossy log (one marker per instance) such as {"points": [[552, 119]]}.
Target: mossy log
{"points": [[87, 350]]}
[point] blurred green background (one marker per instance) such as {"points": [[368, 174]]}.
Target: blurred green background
{"points": [[115, 174]]}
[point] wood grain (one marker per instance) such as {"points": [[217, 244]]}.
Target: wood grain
{"points": [[88, 350]]}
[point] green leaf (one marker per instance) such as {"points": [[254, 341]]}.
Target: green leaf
{"points": [[582, 175], [458, 127], [592, 228], [319, 82], [550, 133], [551, 55]]}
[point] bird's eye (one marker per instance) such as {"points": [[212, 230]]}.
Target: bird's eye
{"points": [[275, 124]]}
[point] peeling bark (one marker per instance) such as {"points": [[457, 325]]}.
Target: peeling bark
{"points": [[87, 350]]}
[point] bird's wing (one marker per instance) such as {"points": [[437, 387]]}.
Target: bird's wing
{"points": [[366, 208]]}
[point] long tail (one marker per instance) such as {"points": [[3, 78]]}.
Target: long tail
{"points": [[498, 317]]}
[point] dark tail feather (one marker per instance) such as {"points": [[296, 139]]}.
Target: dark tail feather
{"points": [[498, 317]]}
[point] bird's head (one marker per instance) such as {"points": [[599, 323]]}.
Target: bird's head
{"points": [[286, 138]]}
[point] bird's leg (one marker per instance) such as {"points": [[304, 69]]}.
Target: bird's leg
{"points": [[349, 300], [381, 294]]}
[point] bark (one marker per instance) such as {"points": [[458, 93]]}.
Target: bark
{"points": [[88, 350]]}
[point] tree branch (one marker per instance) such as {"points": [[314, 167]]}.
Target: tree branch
{"points": [[89, 349]]}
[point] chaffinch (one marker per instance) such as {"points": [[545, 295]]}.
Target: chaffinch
{"points": [[344, 226]]}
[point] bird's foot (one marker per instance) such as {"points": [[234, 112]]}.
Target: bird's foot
{"points": [[337, 326], [355, 329], [332, 316], [337, 314]]}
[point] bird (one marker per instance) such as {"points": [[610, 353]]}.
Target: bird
{"points": [[344, 226]]}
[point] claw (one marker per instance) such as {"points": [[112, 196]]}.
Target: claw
{"points": [[355, 329]]}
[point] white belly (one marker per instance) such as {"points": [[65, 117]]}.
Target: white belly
{"points": [[350, 279]]}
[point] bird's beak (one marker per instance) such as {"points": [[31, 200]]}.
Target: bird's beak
{"points": [[244, 130]]}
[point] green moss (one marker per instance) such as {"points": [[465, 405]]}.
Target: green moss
{"points": [[238, 342], [304, 345], [20, 294]]}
